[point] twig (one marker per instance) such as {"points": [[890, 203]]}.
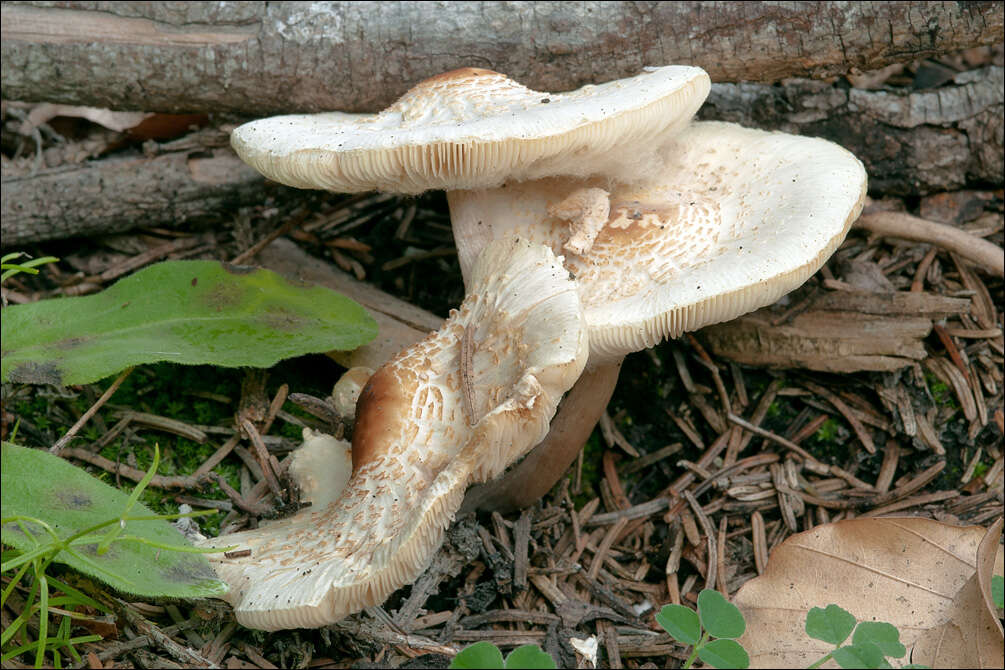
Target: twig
{"points": [[255, 248], [706, 525], [987, 256], [183, 654], [61, 442], [263, 459], [158, 481], [605, 546], [771, 436], [373, 631]]}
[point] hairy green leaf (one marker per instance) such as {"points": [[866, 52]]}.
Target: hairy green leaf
{"points": [[724, 654], [478, 655], [719, 617], [864, 655], [531, 657], [883, 635], [833, 625], [680, 622], [191, 312], [34, 483]]}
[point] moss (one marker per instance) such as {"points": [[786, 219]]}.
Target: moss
{"points": [[941, 393]]}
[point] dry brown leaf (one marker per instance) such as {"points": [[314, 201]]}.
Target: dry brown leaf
{"points": [[915, 573]]}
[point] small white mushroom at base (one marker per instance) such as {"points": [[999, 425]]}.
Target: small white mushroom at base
{"points": [[320, 467], [587, 210], [347, 389]]}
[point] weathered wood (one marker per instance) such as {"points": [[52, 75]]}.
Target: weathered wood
{"points": [[194, 179], [911, 142], [824, 341], [264, 58], [840, 331], [399, 324]]}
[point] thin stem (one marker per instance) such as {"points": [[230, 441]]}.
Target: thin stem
{"points": [[86, 416], [697, 648], [43, 618], [821, 661]]}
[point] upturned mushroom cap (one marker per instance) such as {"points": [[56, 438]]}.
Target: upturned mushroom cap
{"points": [[456, 408], [736, 219], [474, 128]]}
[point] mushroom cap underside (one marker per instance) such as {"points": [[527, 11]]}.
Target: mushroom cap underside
{"points": [[474, 128], [420, 444], [736, 218]]}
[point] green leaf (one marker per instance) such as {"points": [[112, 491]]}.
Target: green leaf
{"points": [[883, 635], [190, 312], [864, 655], [998, 591], [724, 654], [478, 655], [681, 623], [34, 483], [833, 625], [720, 617], [529, 656]]}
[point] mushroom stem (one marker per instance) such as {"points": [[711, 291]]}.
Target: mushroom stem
{"points": [[534, 476]]}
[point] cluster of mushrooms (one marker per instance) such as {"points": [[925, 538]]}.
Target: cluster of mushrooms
{"points": [[588, 225]]}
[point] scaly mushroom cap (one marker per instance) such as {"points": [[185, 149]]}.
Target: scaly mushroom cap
{"points": [[455, 408], [736, 219], [474, 128]]}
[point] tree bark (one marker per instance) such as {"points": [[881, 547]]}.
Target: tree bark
{"points": [[259, 58], [911, 142], [196, 178]]}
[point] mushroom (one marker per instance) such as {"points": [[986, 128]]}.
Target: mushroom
{"points": [[474, 128], [735, 219], [456, 408]]}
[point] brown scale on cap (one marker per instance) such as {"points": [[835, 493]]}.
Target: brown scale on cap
{"points": [[379, 413]]}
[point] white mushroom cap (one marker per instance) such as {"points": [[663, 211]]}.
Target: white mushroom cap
{"points": [[474, 128], [736, 219], [455, 408]]}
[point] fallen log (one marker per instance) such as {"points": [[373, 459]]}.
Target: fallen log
{"points": [[266, 58], [194, 179], [911, 142]]}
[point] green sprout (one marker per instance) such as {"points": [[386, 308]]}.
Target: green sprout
{"points": [[716, 618], [36, 545], [871, 643], [9, 268]]}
